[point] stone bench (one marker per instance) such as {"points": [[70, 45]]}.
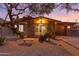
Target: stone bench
{"points": [[28, 40]]}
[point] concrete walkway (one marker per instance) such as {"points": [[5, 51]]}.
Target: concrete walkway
{"points": [[14, 48], [71, 44]]}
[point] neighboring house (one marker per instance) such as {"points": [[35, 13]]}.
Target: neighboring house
{"points": [[5, 31], [74, 31], [1, 20]]}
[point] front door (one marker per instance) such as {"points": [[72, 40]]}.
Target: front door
{"points": [[40, 29]]}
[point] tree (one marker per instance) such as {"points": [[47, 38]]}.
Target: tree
{"points": [[16, 9], [41, 8], [13, 10], [69, 6]]}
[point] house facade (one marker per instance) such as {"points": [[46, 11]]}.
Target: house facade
{"points": [[33, 27]]}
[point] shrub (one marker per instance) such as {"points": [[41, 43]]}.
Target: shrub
{"points": [[2, 39], [41, 39]]}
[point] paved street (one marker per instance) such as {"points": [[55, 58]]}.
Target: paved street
{"points": [[15, 48]]}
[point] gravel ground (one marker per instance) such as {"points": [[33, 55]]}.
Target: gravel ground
{"points": [[16, 48]]}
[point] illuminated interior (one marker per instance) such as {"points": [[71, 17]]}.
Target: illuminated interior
{"points": [[40, 27], [68, 27], [40, 20], [21, 28]]}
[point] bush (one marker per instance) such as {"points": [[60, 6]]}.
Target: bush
{"points": [[2, 39]]}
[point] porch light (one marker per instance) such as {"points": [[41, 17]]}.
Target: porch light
{"points": [[41, 20], [15, 26]]}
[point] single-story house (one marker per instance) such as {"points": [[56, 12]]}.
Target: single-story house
{"points": [[33, 27]]}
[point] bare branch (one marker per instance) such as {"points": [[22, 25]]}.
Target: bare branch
{"points": [[6, 6], [16, 5], [21, 9], [6, 17]]}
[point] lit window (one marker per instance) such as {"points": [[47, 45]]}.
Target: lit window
{"points": [[21, 28]]}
